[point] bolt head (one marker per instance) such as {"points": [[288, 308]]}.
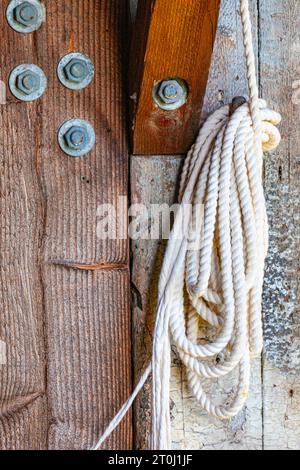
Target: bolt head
{"points": [[170, 91], [28, 82], [76, 70], [26, 14], [76, 138]]}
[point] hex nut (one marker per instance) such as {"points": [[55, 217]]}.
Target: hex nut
{"points": [[27, 82], [76, 137], [75, 71], [25, 16], [170, 91], [170, 94]]}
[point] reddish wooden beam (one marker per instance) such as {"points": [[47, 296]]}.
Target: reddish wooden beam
{"points": [[172, 38]]}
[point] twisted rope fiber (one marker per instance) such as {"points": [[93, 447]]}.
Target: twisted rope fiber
{"points": [[221, 270]]}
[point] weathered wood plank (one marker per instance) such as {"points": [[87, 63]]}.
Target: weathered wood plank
{"points": [[88, 328], [75, 187], [23, 411], [87, 313], [24, 424], [49, 232], [280, 74], [171, 40], [154, 181]]}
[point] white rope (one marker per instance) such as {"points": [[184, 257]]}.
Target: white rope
{"points": [[220, 279]]}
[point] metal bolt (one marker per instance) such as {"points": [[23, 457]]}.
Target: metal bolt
{"points": [[170, 94], [76, 137], [170, 91], [25, 16], [27, 82], [75, 71], [236, 103]]}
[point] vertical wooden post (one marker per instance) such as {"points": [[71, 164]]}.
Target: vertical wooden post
{"points": [[64, 294], [280, 86]]}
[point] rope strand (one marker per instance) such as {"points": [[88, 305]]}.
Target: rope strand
{"points": [[219, 264]]}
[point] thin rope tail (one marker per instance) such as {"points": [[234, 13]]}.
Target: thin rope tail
{"points": [[123, 411], [213, 267]]}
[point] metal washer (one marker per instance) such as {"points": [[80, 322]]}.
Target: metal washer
{"points": [[61, 74], [24, 68], [21, 28], [64, 129]]}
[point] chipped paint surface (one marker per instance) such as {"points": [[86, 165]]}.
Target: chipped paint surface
{"points": [[281, 409], [281, 289], [282, 178]]}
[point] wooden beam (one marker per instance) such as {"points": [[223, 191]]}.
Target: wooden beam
{"points": [[172, 39], [87, 311]]}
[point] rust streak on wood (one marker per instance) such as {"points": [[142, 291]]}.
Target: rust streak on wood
{"points": [[171, 39], [71, 42]]}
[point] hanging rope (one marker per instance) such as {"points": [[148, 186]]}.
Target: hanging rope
{"points": [[216, 273]]}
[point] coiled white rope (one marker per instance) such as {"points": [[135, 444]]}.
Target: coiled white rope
{"points": [[219, 279]]}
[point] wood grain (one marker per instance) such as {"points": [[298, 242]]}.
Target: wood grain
{"points": [[75, 187], [88, 366], [67, 328], [280, 75], [171, 39], [88, 330], [154, 180], [23, 407]]}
